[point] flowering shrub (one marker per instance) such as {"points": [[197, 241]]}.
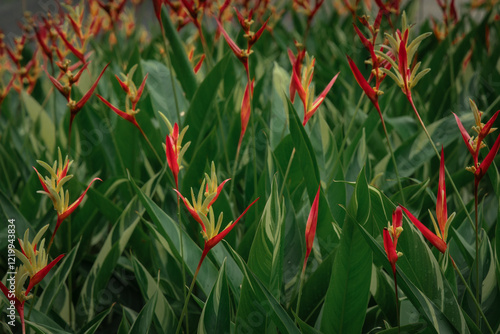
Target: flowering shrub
{"points": [[227, 205]]}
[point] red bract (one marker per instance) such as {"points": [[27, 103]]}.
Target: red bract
{"points": [[390, 249], [245, 110], [431, 237], [438, 240], [311, 226], [474, 145], [19, 305], [126, 116], [38, 277], [75, 107], [172, 152]]}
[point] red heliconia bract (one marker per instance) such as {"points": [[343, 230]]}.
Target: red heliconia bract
{"points": [[312, 221]]}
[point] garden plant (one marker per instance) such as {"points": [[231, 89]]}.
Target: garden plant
{"points": [[251, 166]]}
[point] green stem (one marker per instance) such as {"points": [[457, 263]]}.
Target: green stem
{"points": [[151, 146], [184, 309], [397, 302], [471, 294], [478, 285], [172, 80], [301, 284], [182, 255], [396, 170]]}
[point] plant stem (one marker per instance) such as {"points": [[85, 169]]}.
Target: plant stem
{"points": [[479, 310], [182, 254], [184, 309], [151, 146], [302, 274], [478, 284], [439, 156], [397, 302], [172, 80], [392, 157]]}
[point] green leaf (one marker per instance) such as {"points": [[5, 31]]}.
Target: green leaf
{"points": [[349, 291], [92, 326], [263, 303], [178, 56], [142, 324], [164, 314], [421, 270], [106, 260], [167, 232], [215, 317], [196, 116], [44, 303], [266, 258], [44, 125], [9, 211], [266, 254], [43, 324], [328, 239]]}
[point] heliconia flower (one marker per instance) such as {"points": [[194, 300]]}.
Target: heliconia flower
{"points": [[78, 54], [474, 144], [305, 93], [128, 116], [157, 7], [391, 235], [312, 220], [242, 55], [245, 110], [19, 296], [369, 91], [212, 233], [53, 188], [75, 107], [296, 67], [35, 260], [405, 75], [210, 189], [174, 149], [390, 249], [442, 226]]}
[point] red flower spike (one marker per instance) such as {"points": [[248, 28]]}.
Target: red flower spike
{"points": [[69, 210], [369, 91], [139, 91], [312, 220], [390, 250], [245, 110], [487, 127], [232, 45], [368, 45], [198, 65], [123, 85], [257, 35], [433, 239], [441, 209], [86, 97], [299, 89], [191, 210], [76, 78], [397, 221], [319, 100], [120, 113], [172, 158], [157, 7], [483, 167], [42, 273], [465, 135], [219, 190], [46, 50], [17, 304], [215, 240], [64, 91], [403, 66], [78, 54], [41, 181]]}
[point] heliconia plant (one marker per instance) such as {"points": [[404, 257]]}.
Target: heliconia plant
{"points": [[279, 202]]}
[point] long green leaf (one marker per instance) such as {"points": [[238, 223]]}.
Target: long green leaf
{"points": [[347, 296], [215, 317]]}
